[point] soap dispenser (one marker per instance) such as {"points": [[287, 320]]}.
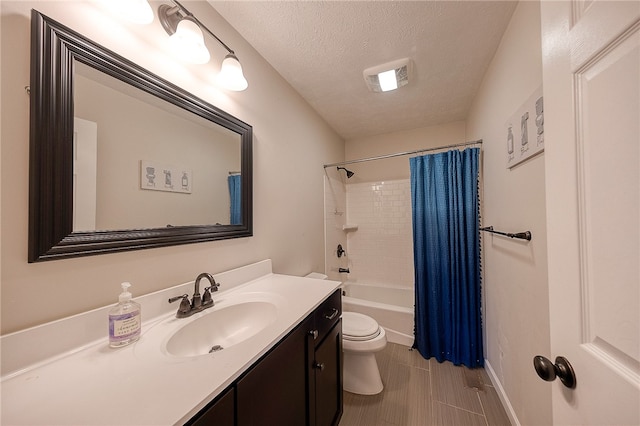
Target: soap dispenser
{"points": [[125, 320]]}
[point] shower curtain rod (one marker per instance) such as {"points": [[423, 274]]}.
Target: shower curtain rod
{"points": [[398, 154]]}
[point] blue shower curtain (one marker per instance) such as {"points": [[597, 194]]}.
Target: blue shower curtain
{"points": [[444, 195], [235, 199]]}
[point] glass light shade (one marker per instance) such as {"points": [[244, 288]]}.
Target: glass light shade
{"points": [[188, 42], [231, 76]]}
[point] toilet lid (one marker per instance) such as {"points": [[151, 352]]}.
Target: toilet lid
{"points": [[356, 326]]}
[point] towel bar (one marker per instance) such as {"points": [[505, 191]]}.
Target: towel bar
{"points": [[526, 235]]}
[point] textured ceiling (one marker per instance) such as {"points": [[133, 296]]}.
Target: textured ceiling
{"points": [[321, 48]]}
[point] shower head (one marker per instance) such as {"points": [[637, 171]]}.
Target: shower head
{"points": [[349, 172]]}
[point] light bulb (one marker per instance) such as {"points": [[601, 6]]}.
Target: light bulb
{"points": [[188, 42], [388, 80], [231, 76]]}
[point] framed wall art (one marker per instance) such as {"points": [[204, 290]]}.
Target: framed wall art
{"points": [[524, 131]]}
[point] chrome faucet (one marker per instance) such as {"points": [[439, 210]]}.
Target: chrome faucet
{"points": [[198, 302]]}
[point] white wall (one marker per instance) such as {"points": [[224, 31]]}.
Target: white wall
{"points": [[516, 311], [291, 143]]}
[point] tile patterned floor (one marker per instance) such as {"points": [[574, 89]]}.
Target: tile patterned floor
{"points": [[420, 392]]}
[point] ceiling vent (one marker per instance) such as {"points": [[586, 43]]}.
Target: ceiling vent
{"points": [[389, 76]]}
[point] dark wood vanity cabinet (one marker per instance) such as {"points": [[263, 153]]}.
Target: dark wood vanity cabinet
{"points": [[298, 382], [221, 412], [272, 391], [328, 378], [325, 361]]}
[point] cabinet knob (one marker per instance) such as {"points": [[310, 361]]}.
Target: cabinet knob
{"points": [[318, 366], [314, 333]]}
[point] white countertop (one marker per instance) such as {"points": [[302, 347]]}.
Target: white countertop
{"points": [[141, 384]]}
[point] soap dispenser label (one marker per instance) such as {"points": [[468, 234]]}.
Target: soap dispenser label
{"points": [[125, 326]]}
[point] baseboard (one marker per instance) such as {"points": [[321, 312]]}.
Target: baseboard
{"points": [[501, 394]]}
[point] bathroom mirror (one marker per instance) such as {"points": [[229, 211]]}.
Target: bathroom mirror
{"points": [[121, 159]]}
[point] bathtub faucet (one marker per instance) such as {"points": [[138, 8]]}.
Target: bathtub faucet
{"points": [[343, 270]]}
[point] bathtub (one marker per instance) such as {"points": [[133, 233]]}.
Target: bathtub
{"points": [[391, 307]]}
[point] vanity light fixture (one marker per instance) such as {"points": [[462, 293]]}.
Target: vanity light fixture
{"points": [[389, 76], [186, 35]]}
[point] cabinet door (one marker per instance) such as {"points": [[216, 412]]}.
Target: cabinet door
{"points": [[274, 391], [219, 413], [328, 378]]}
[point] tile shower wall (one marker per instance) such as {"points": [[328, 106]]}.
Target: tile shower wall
{"points": [[381, 250]]}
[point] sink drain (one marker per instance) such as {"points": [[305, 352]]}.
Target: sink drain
{"points": [[215, 348]]}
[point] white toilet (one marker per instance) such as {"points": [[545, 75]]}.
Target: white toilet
{"points": [[361, 338]]}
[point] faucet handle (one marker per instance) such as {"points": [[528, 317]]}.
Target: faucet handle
{"points": [[185, 306], [206, 297], [176, 298]]}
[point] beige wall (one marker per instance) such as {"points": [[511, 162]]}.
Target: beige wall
{"points": [[516, 312], [409, 140], [291, 143]]}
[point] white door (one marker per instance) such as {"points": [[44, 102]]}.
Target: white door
{"points": [[591, 79], [85, 164]]}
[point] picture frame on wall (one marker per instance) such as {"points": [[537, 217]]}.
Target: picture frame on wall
{"points": [[524, 131], [165, 177]]}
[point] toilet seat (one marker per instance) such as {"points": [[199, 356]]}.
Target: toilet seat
{"points": [[359, 327]]}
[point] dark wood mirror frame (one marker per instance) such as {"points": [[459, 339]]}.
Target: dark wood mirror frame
{"points": [[54, 48]]}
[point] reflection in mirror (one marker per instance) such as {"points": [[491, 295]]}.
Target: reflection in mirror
{"points": [[121, 159], [142, 162]]}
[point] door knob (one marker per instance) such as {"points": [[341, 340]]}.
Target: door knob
{"points": [[549, 371]]}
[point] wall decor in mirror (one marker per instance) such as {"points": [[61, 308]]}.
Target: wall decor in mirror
{"points": [[121, 159]]}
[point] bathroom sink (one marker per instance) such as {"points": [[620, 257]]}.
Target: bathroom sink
{"points": [[221, 328]]}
